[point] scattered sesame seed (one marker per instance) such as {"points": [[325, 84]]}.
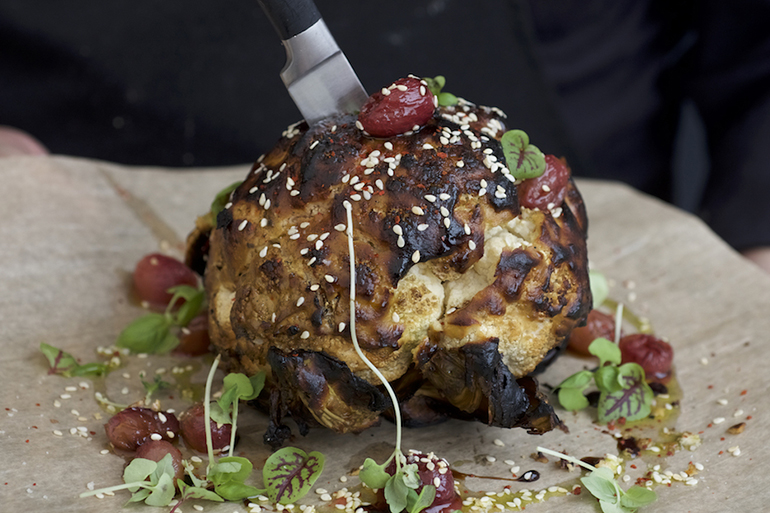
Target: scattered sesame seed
{"points": [[723, 402], [704, 361], [300, 301], [243, 225], [718, 420], [416, 256], [426, 146], [447, 222], [156, 437], [341, 327], [396, 317], [359, 125], [471, 245], [418, 211], [422, 227], [305, 335], [326, 497], [65, 396], [499, 442], [263, 252], [329, 278]]}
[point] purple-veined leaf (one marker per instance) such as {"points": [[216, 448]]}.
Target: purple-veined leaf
{"points": [[289, 473], [632, 401], [523, 159]]}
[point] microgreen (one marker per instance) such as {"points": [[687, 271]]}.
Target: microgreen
{"points": [[523, 159], [147, 481], [399, 488], [221, 199], [64, 364], [600, 287], [624, 391], [289, 473], [237, 387], [435, 85], [153, 386], [601, 484], [153, 333]]}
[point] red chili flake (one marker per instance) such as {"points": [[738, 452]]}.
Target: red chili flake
{"points": [[340, 500], [577, 490], [721, 452], [37, 404], [722, 439], [34, 427], [26, 441], [7, 409], [710, 387], [743, 392], [701, 432], [622, 421], [749, 417], [709, 424], [441, 154]]}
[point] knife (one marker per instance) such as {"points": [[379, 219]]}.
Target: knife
{"points": [[319, 78]]}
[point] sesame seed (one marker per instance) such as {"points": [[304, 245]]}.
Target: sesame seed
{"points": [[263, 252], [416, 256], [447, 222], [459, 163], [396, 317], [315, 287], [430, 197], [422, 90], [156, 437], [482, 191], [379, 184], [422, 227], [397, 229], [329, 278], [491, 459], [385, 91], [198, 507], [426, 146], [311, 261], [65, 396], [738, 413], [723, 402], [355, 197], [341, 327], [718, 420], [243, 225], [304, 251], [359, 125], [417, 211], [326, 497], [467, 229], [340, 227], [546, 188], [444, 211], [319, 244], [305, 335], [263, 222], [499, 442], [401, 87], [300, 301], [162, 417], [388, 145], [57, 432], [267, 204], [400, 242], [444, 196]]}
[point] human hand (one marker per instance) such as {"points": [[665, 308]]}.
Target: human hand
{"points": [[15, 142], [759, 255]]}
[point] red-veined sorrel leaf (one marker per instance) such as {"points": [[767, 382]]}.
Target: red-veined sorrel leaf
{"points": [[289, 473], [632, 401]]}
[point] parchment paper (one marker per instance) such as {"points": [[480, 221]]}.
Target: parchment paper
{"points": [[72, 230]]}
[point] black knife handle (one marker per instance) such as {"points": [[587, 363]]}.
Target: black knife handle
{"points": [[290, 17]]}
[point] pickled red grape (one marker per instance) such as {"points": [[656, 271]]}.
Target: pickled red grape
{"points": [[156, 273]]}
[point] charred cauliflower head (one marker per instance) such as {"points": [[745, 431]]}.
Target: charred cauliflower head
{"points": [[461, 289]]}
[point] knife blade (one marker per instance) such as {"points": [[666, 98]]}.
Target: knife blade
{"points": [[317, 74]]}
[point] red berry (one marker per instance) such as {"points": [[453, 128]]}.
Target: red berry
{"points": [[597, 325], [156, 450], [409, 102], [432, 471], [194, 338], [548, 188], [193, 428], [653, 354], [130, 428], [156, 273]]}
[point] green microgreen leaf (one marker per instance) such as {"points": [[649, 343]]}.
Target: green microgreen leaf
{"points": [[163, 492], [435, 85], [605, 350], [607, 379], [396, 493], [64, 364], [571, 390], [229, 475], [194, 300], [638, 496], [422, 501], [289, 473], [147, 334], [221, 199], [138, 470], [197, 492], [411, 475], [524, 160], [374, 475], [601, 484], [632, 401], [151, 387], [600, 288]]}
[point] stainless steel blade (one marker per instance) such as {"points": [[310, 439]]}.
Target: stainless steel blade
{"points": [[319, 78]]}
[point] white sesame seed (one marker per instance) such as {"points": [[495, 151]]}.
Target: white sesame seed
{"points": [[723, 402], [326, 497], [718, 420], [340, 227], [417, 211], [379, 184], [305, 334], [546, 188], [162, 417], [341, 327], [304, 251], [499, 442], [263, 252], [312, 261], [388, 145], [319, 244], [329, 278], [300, 301], [397, 229], [426, 146], [243, 225], [430, 197], [447, 222], [263, 222], [471, 245], [491, 459], [355, 197], [65, 396], [422, 227], [385, 91], [57, 432], [416, 256], [314, 144], [444, 211], [198, 507], [459, 163], [359, 125], [315, 287], [704, 361], [156, 437], [401, 87]]}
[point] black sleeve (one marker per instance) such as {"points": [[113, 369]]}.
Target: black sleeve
{"points": [[731, 87]]}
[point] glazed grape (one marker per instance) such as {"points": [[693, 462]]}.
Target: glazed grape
{"points": [[408, 103], [653, 354], [432, 471], [156, 273], [130, 428], [194, 430], [194, 338], [548, 188], [597, 325], [155, 450]]}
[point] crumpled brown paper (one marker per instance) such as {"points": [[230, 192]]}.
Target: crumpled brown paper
{"points": [[71, 231]]}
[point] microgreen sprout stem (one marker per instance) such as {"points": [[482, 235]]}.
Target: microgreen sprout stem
{"points": [[141, 484], [207, 411], [375, 370], [566, 458], [618, 321]]}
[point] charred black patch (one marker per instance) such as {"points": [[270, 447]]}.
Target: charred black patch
{"points": [[224, 218], [273, 271], [512, 270]]}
